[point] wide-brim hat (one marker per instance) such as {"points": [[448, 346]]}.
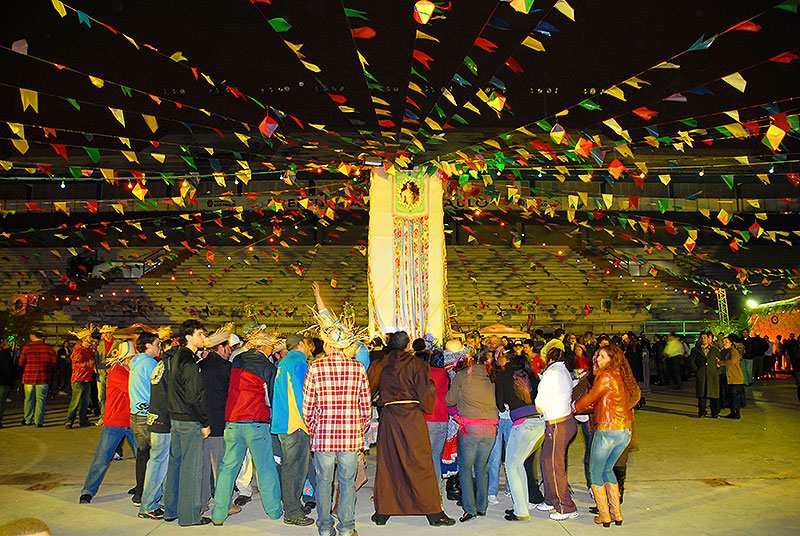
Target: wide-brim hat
{"points": [[107, 329], [164, 332], [122, 352], [341, 333], [223, 334], [260, 337], [83, 332]]}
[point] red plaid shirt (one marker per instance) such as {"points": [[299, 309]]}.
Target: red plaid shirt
{"points": [[82, 363], [336, 404], [37, 360]]}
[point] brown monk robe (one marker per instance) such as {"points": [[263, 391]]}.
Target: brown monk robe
{"points": [[405, 481]]}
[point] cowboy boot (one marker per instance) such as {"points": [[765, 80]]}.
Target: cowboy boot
{"points": [[603, 517], [621, 473], [612, 491]]}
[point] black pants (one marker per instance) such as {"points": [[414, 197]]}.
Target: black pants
{"points": [[701, 406], [674, 370], [737, 394], [534, 493]]}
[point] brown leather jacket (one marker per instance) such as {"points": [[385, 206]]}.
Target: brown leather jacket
{"points": [[609, 398]]}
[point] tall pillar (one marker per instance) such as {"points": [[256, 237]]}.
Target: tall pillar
{"points": [[407, 265]]}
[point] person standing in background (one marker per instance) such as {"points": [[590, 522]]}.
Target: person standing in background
{"points": [[37, 361], [82, 377]]}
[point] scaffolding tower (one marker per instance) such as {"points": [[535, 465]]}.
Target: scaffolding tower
{"points": [[722, 307]]}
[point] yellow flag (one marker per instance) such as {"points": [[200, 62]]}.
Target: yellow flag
{"points": [[423, 35], [532, 43], [99, 82], [158, 156], [471, 107], [60, 8], [118, 208], [21, 145], [29, 98], [243, 138], [131, 156], [107, 173], [118, 115], [616, 92], [151, 122], [178, 56]]}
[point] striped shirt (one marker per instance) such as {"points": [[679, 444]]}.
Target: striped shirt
{"points": [[336, 404]]}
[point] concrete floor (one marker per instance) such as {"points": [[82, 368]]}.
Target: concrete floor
{"points": [[690, 476]]}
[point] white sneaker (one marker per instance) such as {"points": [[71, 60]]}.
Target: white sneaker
{"points": [[493, 499], [117, 456], [591, 493], [561, 517], [508, 493], [544, 507]]}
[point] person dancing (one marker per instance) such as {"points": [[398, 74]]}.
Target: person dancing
{"points": [[613, 394]]}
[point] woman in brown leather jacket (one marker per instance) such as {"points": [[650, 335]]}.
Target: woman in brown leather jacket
{"points": [[613, 394]]}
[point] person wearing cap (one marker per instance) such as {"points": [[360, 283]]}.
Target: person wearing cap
{"points": [[82, 376], [404, 450], [288, 424], [104, 348], [116, 420], [37, 361], [247, 416], [189, 425], [158, 424], [142, 365], [216, 372], [336, 408]]}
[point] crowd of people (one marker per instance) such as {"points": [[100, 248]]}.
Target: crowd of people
{"points": [[210, 417]]}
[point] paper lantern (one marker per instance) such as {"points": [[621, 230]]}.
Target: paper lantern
{"points": [[423, 10]]}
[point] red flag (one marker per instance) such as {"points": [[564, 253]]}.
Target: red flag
{"points": [[645, 113]]}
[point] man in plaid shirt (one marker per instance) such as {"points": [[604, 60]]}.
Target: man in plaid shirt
{"points": [[337, 409], [37, 360]]}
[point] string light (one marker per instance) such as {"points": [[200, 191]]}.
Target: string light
{"points": [[702, 172], [63, 185], [772, 169]]}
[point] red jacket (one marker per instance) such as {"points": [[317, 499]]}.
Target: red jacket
{"points": [[37, 359], [252, 380]]}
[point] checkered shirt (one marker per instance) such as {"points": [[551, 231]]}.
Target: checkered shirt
{"points": [[82, 363], [336, 404], [37, 359]]}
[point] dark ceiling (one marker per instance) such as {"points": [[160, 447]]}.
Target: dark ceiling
{"points": [[246, 48]]}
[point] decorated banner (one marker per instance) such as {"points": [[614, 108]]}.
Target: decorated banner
{"points": [[406, 254]]}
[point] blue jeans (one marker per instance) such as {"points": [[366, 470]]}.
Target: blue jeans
{"points": [[607, 446], [79, 404], [110, 437], [495, 457], [324, 463], [156, 471], [183, 483], [473, 454], [524, 439], [240, 436], [437, 434], [102, 376], [295, 454], [35, 395]]}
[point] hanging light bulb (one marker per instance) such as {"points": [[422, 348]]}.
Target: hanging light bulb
{"points": [[63, 185], [772, 169], [702, 172]]}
